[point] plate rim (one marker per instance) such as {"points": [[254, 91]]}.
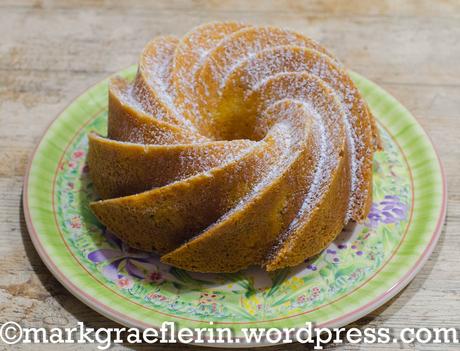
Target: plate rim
{"points": [[126, 320]]}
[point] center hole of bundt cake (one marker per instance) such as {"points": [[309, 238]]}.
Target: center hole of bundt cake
{"points": [[250, 135], [236, 126]]}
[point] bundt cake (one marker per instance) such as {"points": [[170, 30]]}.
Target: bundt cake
{"points": [[236, 145]]}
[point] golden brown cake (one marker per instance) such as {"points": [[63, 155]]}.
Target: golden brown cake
{"points": [[234, 146]]}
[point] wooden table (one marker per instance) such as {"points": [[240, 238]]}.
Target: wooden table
{"points": [[50, 52]]}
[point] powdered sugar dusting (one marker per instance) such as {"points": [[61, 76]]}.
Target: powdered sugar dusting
{"points": [[245, 43], [189, 57]]}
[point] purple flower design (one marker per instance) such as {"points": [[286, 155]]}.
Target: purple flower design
{"points": [[389, 210], [137, 263]]}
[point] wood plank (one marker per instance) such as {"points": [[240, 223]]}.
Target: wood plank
{"points": [[51, 51]]}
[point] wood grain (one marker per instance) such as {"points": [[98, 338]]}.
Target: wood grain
{"points": [[52, 51]]}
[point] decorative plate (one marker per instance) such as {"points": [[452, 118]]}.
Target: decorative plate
{"points": [[365, 266]]}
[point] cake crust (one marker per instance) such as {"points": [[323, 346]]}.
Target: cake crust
{"points": [[236, 145]]}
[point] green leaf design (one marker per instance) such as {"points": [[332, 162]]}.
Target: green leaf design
{"points": [[243, 281], [185, 278], [277, 280], [345, 271]]}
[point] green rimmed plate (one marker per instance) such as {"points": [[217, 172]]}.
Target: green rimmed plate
{"points": [[365, 266]]}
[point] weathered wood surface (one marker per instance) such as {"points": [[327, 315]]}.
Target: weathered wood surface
{"points": [[50, 52]]}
